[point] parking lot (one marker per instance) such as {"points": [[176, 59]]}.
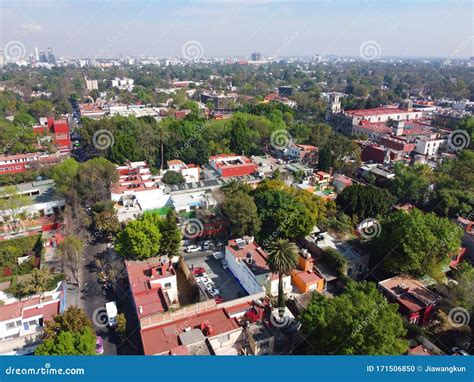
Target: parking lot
{"points": [[229, 288]]}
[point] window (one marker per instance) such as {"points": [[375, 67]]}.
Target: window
{"points": [[10, 325], [167, 286]]}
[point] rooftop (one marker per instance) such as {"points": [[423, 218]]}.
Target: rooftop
{"points": [[147, 293], [246, 249], [409, 292]]}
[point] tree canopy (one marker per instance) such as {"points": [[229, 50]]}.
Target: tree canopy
{"points": [[357, 322]]}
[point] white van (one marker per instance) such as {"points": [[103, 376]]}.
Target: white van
{"points": [[111, 309]]}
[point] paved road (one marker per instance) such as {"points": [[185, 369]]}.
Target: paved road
{"points": [[92, 297]]}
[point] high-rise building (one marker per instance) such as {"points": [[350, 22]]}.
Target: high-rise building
{"points": [[256, 56], [2, 59], [50, 57]]}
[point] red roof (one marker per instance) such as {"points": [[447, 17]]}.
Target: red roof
{"points": [[31, 307], [164, 338], [375, 111], [147, 296]]}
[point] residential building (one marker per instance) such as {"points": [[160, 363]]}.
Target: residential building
{"points": [[137, 190], [22, 321], [303, 153], [59, 130], [428, 145], [190, 172], [17, 163], [153, 285], [321, 180], [357, 263], [415, 300], [230, 165], [122, 83], [186, 202], [340, 182], [248, 263], [305, 278], [44, 201]]}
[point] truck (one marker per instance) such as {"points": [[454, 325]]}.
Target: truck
{"points": [[111, 309]]}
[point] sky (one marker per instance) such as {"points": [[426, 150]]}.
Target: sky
{"points": [[209, 28]]}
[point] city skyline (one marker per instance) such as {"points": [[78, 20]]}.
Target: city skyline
{"points": [[237, 28]]}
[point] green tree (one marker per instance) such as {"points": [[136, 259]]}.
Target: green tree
{"points": [[73, 319], [173, 177], [105, 218], [121, 324], [37, 282], [411, 183], [12, 205], [140, 239], [71, 251], [170, 235], [357, 322], [364, 201], [282, 259], [64, 175], [416, 243], [69, 343], [241, 211]]}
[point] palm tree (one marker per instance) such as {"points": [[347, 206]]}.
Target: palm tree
{"points": [[282, 259]]}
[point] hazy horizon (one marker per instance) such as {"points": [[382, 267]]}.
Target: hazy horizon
{"points": [[219, 28]]}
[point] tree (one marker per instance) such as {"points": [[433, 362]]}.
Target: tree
{"points": [[364, 202], [12, 205], [121, 327], [416, 243], [173, 177], [37, 282], [411, 183], [105, 218], [282, 259], [73, 319], [69, 343], [357, 322], [170, 235], [64, 175], [336, 151], [71, 250], [241, 211], [140, 239], [95, 179]]}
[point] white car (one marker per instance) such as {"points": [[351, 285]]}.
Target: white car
{"points": [[206, 245], [192, 248], [218, 255]]}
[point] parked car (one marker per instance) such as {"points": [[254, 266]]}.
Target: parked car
{"points": [[198, 270], [225, 265], [192, 248], [206, 245], [111, 309], [99, 345], [458, 351], [218, 255]]}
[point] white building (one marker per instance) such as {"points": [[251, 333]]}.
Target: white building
{"points": [[248, 263], [428, 145], [122, 83], [190, 172]]}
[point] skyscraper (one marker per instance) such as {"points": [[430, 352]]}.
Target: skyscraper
{"points": [[256, 56], [2, 59]]}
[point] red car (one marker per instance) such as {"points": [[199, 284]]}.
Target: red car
{"points": [[198, 270]]}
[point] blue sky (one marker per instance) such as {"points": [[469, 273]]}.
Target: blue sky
{"points": [[236, 28]]}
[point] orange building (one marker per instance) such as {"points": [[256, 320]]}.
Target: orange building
{"points": [[305, 278]]}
